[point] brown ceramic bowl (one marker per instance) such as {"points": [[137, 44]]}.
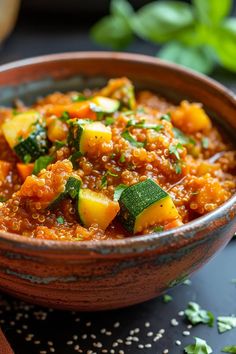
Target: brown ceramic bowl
{"points": [[112, 274]]}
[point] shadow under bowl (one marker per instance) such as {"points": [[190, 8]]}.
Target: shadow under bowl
{"points": [[110, 274]]}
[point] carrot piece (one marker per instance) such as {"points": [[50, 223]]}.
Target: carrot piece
{"points": [[24, 170], [75, 110], [173, 224], [5, 168]]}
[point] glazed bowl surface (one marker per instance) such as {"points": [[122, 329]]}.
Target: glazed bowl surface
{"points": [[110, 274]]}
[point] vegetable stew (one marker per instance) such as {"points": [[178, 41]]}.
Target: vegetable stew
{"points": [[109, 163]]}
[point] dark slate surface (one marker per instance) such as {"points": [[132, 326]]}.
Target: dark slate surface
{"points": [[32, 330]]}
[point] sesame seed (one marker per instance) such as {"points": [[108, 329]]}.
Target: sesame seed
{"points": [[88, 324], [162, 331], [147, 324], [128, 343], [103, 330], [121, 352], [52, 350], [69, 342], [186, 333], [181, 313], [178, 342], [108, 333], [115, 344], [140, 346], [84, 336], [189, 326], [75, 337], [148, 345], [93, 336], [174, 322], [149, 334], [136, 330], [165, 351], [116, 324]]}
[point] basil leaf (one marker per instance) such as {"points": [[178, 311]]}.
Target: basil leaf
{"points": [[196, 58], [118, 191], [161, 21], [229, 349], [197, 315], [167, 298], [212, 12], [41, 163], [121, 8], [200, 347], [112, 32], [226, 323], [127, 136]]}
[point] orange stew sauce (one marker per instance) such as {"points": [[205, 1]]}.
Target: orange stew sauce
{"points": [[67, 165]]}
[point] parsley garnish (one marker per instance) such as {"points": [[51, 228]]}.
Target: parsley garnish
{"points": [[199, 347], [109, 121], [167, 298], [118, 191], [174, 149], [65, 116], [158, 229], [122, 158], [166, 117], [205, 143], [41, 163], [143, 125], [127, 136], [60, 220], [183, 139], [226, 323], [59, 144], [197, 315], [104, 178], [2, 199], [229, 349], [27, 158], [178, 167], [78, 98]]}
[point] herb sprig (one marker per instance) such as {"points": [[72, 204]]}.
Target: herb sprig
{"points": [[198, 35]]}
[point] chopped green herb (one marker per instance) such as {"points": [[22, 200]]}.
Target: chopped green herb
{"points": [[74, 157], [183, 139], [158, 229], [127, 136], [27, 158], [122, 158], [2, 199], [205, 143], [167, 298], [226, 323], [60, 220], [143, 125], [41, 163], [118, 191], [166, 117], [174, 149], [65, 116], [109, 121], [109, 173], [197, 315], [104, 181], [59, 144], [20, 138], [200, 347], [178, 167], [78, 98], [229, 349]]}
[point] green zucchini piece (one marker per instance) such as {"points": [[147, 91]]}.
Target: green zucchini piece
{"points": [[71, 190], [145, 204], [95, 208], [106, 105]]}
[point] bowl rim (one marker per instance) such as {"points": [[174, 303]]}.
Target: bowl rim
{"points": [[131, 244]]}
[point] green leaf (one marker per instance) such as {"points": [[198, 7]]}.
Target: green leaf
{"points": [[163, 20], [65, 116], [27, 158], [112, 32], [60, 220], [205, 143], [174, 149], [109, 121], [200, 347], [79, 98], [158, 229], [41, 163], [226, 323], [143, 125], [229, 349], [212, 12], [166, 117], [127, 136], [183, 139], [224, 43], [118, 191], [196, 58], [121, 8], [197, 315], [167, 298]]}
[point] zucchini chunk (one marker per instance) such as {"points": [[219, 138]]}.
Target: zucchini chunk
{"points": [[26, 135], [145, 204], [71, 190], [87, 135], [106, 105], [95, 208]]}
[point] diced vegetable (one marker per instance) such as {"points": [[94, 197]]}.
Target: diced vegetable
{"points": [[106, 105], [84, 136], [96, 208], [26, 135], [72, 188], [5, 168], [75, 110], [57, 130], [41, 163], [24, 170], [145, 204]]}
